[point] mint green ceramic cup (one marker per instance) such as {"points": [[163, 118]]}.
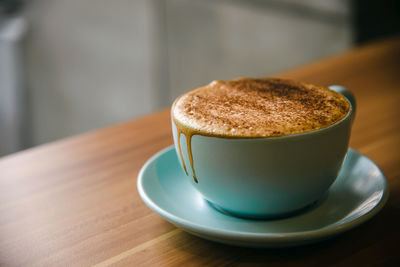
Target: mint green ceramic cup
{"points": [[268, 177]]}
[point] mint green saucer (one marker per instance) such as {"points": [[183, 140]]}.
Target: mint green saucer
{"points": [[359, 192]]}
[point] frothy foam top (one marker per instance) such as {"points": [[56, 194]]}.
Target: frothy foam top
{"points": [[266, 107]]}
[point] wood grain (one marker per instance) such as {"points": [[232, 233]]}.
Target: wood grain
{"points": [[74, 202]]}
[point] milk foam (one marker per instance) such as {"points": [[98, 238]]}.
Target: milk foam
{"points": [[269, 107]]}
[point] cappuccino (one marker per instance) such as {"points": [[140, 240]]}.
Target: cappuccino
{"points": [[255, 108]]}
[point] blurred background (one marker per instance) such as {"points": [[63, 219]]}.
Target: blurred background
{"points": [[69, 66]]}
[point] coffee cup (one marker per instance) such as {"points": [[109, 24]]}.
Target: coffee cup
{"points": [[265, 177]]}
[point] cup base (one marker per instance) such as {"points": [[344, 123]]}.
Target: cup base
{"points": [[253, 216]]}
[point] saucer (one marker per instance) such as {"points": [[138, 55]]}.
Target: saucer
{"points": [[358, 193]]}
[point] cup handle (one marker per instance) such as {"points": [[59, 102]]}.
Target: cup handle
{"points": [[349, 95]]}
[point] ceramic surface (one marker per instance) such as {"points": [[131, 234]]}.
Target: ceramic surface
{"points": [[265, 177], [358, 193]]}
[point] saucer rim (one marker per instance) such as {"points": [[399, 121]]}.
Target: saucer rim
{"points": [[209, 231]]}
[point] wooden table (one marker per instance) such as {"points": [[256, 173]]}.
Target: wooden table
{"points": [[74, 202]]}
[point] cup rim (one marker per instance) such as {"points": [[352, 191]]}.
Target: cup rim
{"points": [[313, 132]]}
